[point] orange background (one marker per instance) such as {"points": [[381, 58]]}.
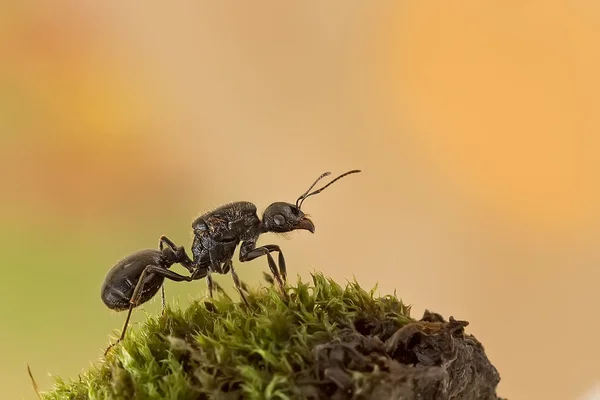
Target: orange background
{"points": [[475, 125]]}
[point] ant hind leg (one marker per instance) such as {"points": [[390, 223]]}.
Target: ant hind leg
{"points": [[137, 291], [165, 240]]}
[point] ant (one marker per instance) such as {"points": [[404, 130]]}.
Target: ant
{"points": [[137, 278], [217, 234]]}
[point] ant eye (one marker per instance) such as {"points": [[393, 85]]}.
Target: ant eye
{"points": [[278, 219]]}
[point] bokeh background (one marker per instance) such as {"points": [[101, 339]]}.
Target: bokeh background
{"points": [[475, 124]]}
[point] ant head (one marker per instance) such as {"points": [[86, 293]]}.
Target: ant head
{"points": [[283, 217]]}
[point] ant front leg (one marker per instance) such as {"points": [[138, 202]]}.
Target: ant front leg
{"points": [[137, 291], [249, 251]]}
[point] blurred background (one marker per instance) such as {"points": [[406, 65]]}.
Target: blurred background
{"points": [[475, 125]]}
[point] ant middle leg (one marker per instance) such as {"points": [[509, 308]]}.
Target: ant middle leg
{"points": [[210, 283], [228, 266], [238, 285], [217, 252]]}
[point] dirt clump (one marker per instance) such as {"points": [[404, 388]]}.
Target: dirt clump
{"points": [[429, 359]]}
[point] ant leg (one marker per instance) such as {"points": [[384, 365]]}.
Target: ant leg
{"points": [[163, 239], [226, 267], [220, 289], [182, 256], [137, 291], [245, 287], [163, 301], [200, 272], [204, 271], [280, 261], [248, 252], [210, 282], [215, 265], [229, 264], [282, 267], [238, 286]]}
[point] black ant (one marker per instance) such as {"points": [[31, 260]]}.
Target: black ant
{"points": [[137, 278]]}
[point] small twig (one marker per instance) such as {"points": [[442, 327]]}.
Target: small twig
{"points": [[33, 383]]}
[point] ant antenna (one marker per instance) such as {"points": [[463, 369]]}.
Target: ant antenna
{"points": [[303, 196], [306, 194]]}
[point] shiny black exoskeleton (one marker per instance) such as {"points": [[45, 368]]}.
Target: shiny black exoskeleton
{"points": [[217, 234], [137, 278]]}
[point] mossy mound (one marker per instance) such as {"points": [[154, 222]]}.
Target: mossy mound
{"points": [[323, 341]]}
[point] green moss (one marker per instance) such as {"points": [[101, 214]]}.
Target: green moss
{"points": [[221, 349], [319, 341]]}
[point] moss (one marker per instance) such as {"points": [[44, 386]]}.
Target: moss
{"points": [[322, 340]]}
